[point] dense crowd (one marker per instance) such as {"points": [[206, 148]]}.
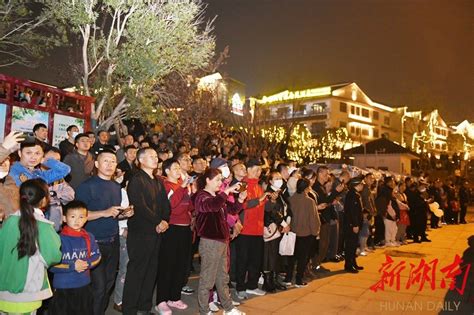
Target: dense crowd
{"points": [[130, 215]]}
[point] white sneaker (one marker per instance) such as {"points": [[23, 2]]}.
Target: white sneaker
{"points": [[256, 291], [363, 254], [213, 307], [242, 295], [396, 244], [235, 303], [234, 311], [389, 244]]}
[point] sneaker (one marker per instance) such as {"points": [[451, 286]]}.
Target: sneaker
{"points": [[235, 303], [213, 307], [163, 309], [234, 311], [287, 283], [187, 290], [242, 295], [180, 305], [301, 284], [396, 244], [321, 269], [363, 253], [256, 291], [389, 244]]}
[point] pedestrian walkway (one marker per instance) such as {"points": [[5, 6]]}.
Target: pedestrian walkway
{"points": [[343, 293]]}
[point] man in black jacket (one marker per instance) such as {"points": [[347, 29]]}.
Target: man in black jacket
{"points": [[419, 212], [325, 215], [152, 211], [353, 220]]}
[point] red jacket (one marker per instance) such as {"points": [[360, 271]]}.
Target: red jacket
{"points": [[180, 202], [253, 209]]}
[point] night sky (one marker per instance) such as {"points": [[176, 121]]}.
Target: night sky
{"points": [[416, 53]]}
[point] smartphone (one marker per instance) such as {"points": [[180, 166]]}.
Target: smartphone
{"points": [[243, 186], [29, 137], [192, 179]]}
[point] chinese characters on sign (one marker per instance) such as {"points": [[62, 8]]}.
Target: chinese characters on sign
{"points": [[454, 275]]}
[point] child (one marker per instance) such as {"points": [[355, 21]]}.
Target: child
{"points": [[364, 234], [28, 245], [80, 253]]}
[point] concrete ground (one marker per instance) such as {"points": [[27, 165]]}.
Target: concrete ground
{"points": [[343, 293]]}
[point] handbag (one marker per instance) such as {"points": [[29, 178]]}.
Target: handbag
{"points": [[271, 232], [287, 244]]}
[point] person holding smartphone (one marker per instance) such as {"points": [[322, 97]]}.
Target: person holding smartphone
{"points": [[277, 220]]}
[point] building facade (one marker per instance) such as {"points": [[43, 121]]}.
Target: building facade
{"points": [[335, 106]]}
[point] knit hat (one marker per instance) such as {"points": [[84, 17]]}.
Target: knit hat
{"points": [[218, 162]]}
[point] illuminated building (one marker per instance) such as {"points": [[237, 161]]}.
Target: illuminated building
{"points": [[333, 106], [426, 132], [227, 91]]}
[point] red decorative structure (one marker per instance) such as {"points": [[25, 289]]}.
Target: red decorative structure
{"points": [[41, 97]]}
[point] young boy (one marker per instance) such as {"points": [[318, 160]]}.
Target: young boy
{"points": [[80, 253]]}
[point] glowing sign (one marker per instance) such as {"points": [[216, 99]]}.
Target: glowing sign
{"points": [[237, 105], [289, 95]]}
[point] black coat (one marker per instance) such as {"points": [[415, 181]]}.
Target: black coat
{"points": [[329, 212], [353, 216], [276, 212], [150, 201]]}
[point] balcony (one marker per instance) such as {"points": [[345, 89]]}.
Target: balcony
{"points": [[293, 115]]}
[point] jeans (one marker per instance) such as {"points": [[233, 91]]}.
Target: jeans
{"points": [[120, 280]]}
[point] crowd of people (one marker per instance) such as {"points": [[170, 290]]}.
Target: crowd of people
{"points": [[130, 215]]}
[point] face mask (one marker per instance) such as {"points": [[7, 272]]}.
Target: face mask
{"points": [[225, 171], [277, 183], [74, 134], [3, 175]]}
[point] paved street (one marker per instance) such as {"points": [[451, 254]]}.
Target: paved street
{"points": [[342, 293]]}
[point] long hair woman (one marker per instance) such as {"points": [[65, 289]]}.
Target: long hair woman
{"points": [[28, 246], [212, 207]]}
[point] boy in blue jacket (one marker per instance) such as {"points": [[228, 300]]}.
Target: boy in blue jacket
{"points": [[80, 253]]}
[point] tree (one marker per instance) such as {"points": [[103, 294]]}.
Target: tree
{"points": [[128, 47], [23, 25]]}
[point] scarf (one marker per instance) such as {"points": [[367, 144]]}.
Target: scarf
{"points": [[67, 231]]}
